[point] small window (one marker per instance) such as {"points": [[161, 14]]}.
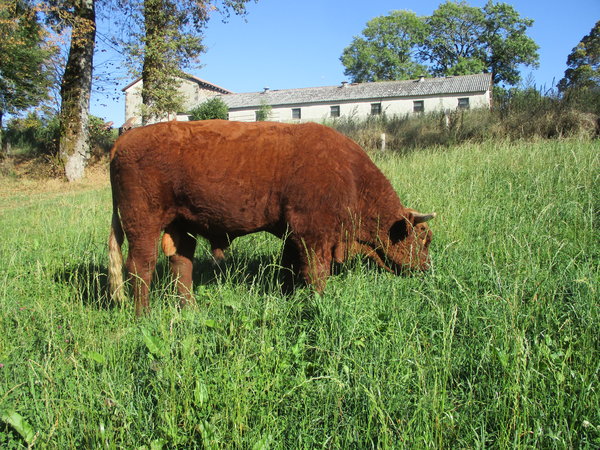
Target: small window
{"points": [[335, 111], [375, 109], [296, 113], [418, 106], [463, 103]]}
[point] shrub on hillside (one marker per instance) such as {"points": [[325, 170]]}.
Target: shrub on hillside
{"points": [[516, 114], [102, 137], [38, 135], [213, 108], [33, 134]]}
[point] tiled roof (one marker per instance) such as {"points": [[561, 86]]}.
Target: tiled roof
{"points": [[362, 91], [203, 83]]}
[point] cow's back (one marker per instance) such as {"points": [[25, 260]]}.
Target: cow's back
{"points": [[239, 176]]}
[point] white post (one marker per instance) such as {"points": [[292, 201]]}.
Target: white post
{"points": [[382, 137]]}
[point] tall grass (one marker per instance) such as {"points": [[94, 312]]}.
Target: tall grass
{"points": [[518, 114], [497, 346]]}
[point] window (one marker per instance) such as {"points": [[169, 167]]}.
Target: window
{"points": [[335, 111], [296, 113], [418, 106], [375, 109], [463, 103]]}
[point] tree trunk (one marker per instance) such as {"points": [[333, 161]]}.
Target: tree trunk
{"points": [[153, 59], [75, 92], [3, 150]]}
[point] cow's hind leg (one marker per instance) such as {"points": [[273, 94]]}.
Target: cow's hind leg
{"points": [[180, 246], [141, 261]]}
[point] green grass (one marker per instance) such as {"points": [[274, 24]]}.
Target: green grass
{"points": [[497, 346]]}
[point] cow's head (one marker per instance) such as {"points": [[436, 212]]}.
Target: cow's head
{"points": [[405, 243]]}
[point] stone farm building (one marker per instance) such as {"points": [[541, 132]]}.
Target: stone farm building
{"points": [[321, 103]]}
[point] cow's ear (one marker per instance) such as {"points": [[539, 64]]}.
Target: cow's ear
{"points": [[399, 230]]}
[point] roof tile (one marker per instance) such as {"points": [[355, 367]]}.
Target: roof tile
{"points": [[463, 84]]}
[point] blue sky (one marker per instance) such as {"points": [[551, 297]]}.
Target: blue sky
{"points": [[291, 44]]}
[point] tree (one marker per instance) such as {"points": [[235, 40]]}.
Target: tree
{"points": [[466, 39], [213, 108], [166, 41], [506, 44], [584, 63], [76, 85], [454, 38], [25, 75], [457, 39], [387, 49], [466, 66]]}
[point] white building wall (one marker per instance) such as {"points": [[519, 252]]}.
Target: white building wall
{"points": [[133, 103], [192, 93], [391, 107]]}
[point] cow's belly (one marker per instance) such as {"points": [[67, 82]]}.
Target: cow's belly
{"points": [[233, 214]]}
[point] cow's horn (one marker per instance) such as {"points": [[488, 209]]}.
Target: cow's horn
{"points": [[420, 218]]}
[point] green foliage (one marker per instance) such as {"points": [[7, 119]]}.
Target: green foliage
{"points": [[505, 43], [496, 347], [102, 138], [39, 134], [584, 64], [466, 66], [213, 108], [33, 134], [164, 39], [15, 420], [457, 39], [161, 96], [455, 32], [466, 39], [25, 76], [263, 112], [386, 49]]}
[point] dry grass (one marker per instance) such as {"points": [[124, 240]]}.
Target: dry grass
{"points": [[21, 178]]}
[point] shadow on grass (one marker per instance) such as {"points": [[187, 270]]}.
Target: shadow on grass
{"points": [[90, 280], [262, 273]]}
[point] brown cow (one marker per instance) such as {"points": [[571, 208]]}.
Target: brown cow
{"points": [[305, 183]]}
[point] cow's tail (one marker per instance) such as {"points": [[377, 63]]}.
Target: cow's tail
{"points": [[115, 256]]}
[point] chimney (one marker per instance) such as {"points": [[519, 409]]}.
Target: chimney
{"points": [[265, 89], [421, 78], [344, 84]]}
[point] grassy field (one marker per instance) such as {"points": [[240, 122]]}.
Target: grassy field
{"points": [[497, 346]]}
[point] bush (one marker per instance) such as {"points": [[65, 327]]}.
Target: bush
{"points": [[102, 138], [263, 113], [33, 134], [516, 114], [213, 108], [39, 135]]}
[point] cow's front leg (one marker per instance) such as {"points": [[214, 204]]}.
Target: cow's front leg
{"points": [[310, 260], [290, 263], [317, 268]]}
